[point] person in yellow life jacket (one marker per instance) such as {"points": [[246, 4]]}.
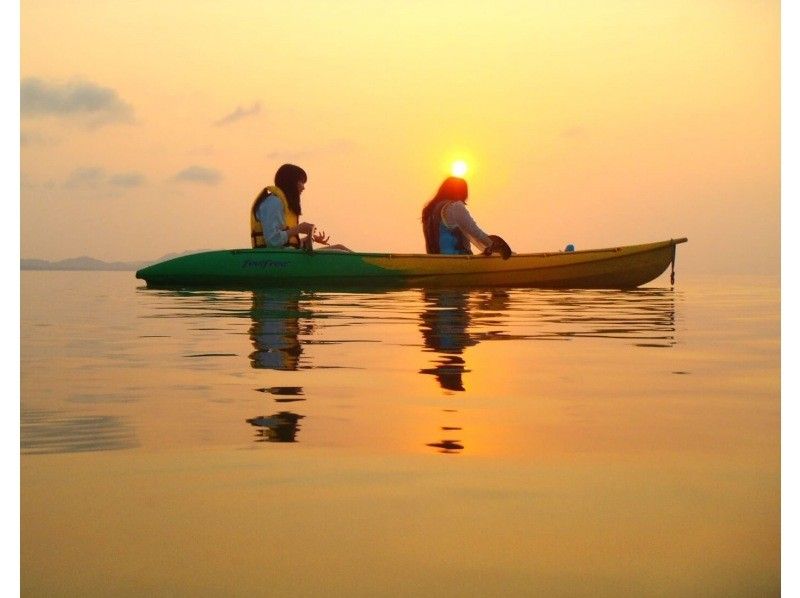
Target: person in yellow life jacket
{"points": [[274, 215]]}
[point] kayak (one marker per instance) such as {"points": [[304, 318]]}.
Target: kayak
{"points": [[611, 268]]}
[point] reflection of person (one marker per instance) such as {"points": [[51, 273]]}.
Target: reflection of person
{"points": [[275, 330], [447, 446], [445, 329], [448, 226], [274, 216], [279, 427]]}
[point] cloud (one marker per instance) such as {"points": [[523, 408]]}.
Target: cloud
{"points": [[34, 138], [87, 176], [28, 182], [80, 101], [127, 179], [199, 174], [93, 177], [238, 114]]}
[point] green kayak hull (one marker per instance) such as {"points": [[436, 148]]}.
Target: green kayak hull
{"points": [[611, 268]]}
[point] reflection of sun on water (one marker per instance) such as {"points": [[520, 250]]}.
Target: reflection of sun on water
{"points": [[459, 168]]}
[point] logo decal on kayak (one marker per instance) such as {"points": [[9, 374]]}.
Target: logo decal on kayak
{"points": [[263, 264]]}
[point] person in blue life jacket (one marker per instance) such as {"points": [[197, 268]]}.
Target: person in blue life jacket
{"points": [[449, 228], [275, 214]]}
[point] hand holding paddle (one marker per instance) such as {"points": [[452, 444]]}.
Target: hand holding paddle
{"points": [[498, 246]]}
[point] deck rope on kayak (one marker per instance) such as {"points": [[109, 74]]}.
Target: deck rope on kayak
{"points": [[672, 264]]}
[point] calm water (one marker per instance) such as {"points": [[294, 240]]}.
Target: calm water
{"points": [[449, 443]]}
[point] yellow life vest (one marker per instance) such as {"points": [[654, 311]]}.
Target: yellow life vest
{"points": [[256, 228]]}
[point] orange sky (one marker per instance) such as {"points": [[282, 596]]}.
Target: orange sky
{"points": [[149, 127]]}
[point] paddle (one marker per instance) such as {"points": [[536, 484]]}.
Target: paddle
{"points": [[498, 246]]}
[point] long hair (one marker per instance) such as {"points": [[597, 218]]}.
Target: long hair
{"points": [[453, 188], [287, 178]]}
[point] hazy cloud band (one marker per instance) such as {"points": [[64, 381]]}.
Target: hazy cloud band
{"points": [[94, 177], [239, 114], [199, 174], [82, 100]]}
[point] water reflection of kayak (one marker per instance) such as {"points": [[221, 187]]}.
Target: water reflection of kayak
{"points": [[612, 268]]}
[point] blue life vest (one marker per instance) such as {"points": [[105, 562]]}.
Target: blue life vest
{"points": [[439, 238], [451, 241]]}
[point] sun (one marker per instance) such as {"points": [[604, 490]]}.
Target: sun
{"points": [[459, 168]]}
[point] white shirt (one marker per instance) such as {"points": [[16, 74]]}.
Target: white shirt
{"points": [[270, 215], [455, 214]]}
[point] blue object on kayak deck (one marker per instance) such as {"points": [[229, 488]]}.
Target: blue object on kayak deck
{"points": [[569, 247]]}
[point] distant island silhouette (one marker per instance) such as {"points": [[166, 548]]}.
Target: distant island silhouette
{"points": [[89, 263]]}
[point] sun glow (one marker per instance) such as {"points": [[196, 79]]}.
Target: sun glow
{"points": [[459, 168]]}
